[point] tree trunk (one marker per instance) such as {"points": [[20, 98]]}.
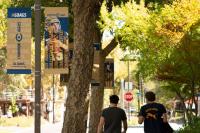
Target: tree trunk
{"points": [[97, 93], [77, 103], [185, 112], [96, 101]]}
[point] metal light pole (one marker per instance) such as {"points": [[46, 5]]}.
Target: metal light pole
{"points": [[128, 90], [122, 92], [140, 80], [53, 99], [139, 93], [128, 63], [37, 66], [138, 98]]}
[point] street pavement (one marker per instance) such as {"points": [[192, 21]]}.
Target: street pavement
{"points": [[140, 128], [56, 128]]}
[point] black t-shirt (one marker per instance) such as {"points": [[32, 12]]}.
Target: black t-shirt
{"points": [[152, 114], [113, 119]]}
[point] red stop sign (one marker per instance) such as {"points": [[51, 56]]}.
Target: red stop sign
{"points": [[128, 96]]}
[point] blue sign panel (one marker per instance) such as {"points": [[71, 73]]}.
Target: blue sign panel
{"points": [[19, 12], [18, 71]]}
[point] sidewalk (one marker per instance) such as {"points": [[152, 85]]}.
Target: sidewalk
{"points": [[57, 127], [140, 128]]}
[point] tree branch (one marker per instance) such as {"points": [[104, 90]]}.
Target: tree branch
{"points": [[109, 47]]}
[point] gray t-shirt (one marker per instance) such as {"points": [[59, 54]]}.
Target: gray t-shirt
{"points": [[113, 119]]}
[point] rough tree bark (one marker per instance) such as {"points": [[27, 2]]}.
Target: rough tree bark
{"points": [[78, 87]]}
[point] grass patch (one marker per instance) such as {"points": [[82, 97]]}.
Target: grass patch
{"points": [[17, 121], [21, 121]]}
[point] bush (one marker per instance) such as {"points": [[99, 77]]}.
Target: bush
{"points": [[193, 127]]}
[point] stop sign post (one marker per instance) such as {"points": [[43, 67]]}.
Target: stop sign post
{"points": [[128, 96]]}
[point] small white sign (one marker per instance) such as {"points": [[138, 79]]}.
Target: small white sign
{"points": [[128, 85], [122, 84]]}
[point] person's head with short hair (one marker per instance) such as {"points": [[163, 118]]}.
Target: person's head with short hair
{"points": [[114, 99], [150, 96]]}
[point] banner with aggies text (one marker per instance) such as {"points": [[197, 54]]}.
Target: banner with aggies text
{"points": [[56, 40], [19, 41]]}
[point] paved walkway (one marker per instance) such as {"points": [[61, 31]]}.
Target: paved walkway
{"points": [[56, 128], [140, 128]]}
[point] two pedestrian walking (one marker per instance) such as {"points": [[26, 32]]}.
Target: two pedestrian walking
{"points": [[153, 115]]}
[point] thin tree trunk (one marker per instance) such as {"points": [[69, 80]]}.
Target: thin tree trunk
{"points": [[97, 93], [186, 114], [78, 87], [96, 102], [193, 97]]}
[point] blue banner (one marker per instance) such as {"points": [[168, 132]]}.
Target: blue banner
{"points": [[18, 71], [19, 12]]}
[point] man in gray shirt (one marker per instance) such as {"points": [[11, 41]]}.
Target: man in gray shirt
{"points": [[112, 118]]}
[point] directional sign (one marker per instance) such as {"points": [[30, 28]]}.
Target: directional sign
{"points": [[128, 96]]}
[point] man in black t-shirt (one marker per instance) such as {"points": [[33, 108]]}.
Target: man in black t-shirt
{"points": [[152, 114], [112, 118]]}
